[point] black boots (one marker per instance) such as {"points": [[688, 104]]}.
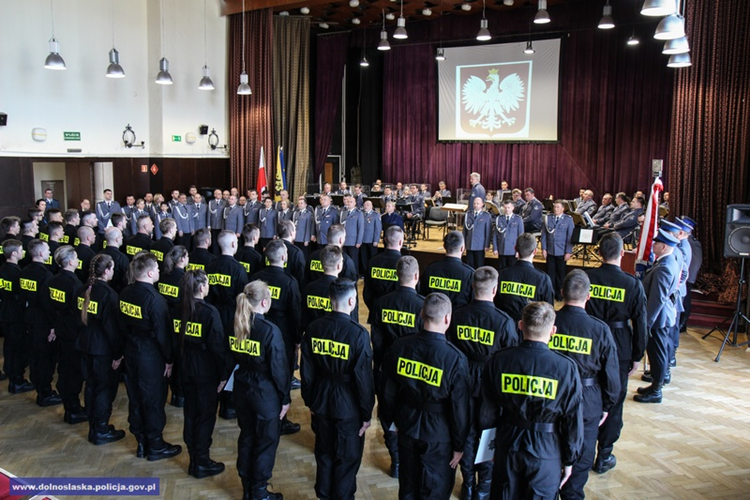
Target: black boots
{"points": [[142, 448], [105, 434], [226, 406], [650, 394], [467, 487], [159, 449], [20, 387], [75, 416], [484, 483], [50, 398], [250, 493], [289, 427]]}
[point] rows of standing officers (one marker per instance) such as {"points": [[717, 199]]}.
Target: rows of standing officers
{"points": [[451, 352]]}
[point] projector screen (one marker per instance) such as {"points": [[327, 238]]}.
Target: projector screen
{"points": [[498, 93]]}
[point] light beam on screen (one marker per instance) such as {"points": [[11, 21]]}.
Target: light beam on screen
{"points": [[498, 93]]}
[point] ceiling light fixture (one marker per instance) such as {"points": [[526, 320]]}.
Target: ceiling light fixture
{"points": [[671, 27], [466, 7], [364, 62], [54, 59], [606, 22], [356, 21], [353, 3], [427, 12], [676, 46], [633, 40], [206, 83], [390, 16], [440, 55], [400, 32], [323, 25], [679, 60], [163, 77], [304, 11], [484, 33], [114, 70], [529, 48], [244, 87], [659, 8], [383, 44], [542, 16], [509, 3]]}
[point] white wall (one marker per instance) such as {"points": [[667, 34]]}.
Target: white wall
{"points": [[82, 99]]}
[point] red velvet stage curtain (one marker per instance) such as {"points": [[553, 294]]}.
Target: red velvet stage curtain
{"points": [[615, 105], [331, 51], [711, 122], [250, 116]]}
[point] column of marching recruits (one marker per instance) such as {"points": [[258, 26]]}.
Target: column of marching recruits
{"points": [[451, 351]]}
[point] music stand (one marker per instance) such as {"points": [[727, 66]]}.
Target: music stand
{"points": [[578, 219], [377, 203], [507, 195], [454, 209], [337, 200], [491, 208], [585, 237], [428, 202], [548, 205], [312, 201], [449, 199]]}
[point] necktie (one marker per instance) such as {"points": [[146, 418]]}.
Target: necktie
{"points": [[198, 206], [108, 205], [557, 219], [507, 219]]}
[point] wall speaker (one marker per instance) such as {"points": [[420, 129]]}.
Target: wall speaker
{"points": [[737, 231], [3, 119]]}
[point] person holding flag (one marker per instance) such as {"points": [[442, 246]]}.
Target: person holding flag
{"points": [[644, 258]]}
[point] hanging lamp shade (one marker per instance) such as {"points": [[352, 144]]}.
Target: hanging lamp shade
{"points": [[114, 70], [679, 61], [606, 22], [676, 46], [383, 44], [529, 48], [206, 83], [440, 56], [164, 78], [484, 33], [244, 88], [542, 16], [658, 8], [671, 27], [54, 59], [400, 32]]}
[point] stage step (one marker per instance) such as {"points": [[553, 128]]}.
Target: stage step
{"points": [[708, 312]]}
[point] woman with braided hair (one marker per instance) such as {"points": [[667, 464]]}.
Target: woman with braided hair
{"points": [[175, 263], [102, 347]]}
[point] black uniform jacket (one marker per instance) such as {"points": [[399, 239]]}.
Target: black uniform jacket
{"points": [[227, 279], [119, 280], [396, 315], [588, 341], [161, 248], [101, 335], [250, 259], [145, 320], [314, 269], [33, 282], [285, 301], [380, 277], [520, 284], [62, 293], [263, 366], [200, 258], [336, 368], [451, 277], [427, 389], [479, 329], [617, 297], [85, 255], [137, 243], [11, 305], [205, 352], [532, 383]]}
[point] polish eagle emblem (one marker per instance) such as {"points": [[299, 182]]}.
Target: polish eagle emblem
{"points": [[492, 103]]}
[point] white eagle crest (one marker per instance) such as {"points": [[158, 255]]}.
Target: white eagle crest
{"points": [[494, 101]]}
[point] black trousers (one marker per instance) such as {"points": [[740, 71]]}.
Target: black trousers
{"points": [[592, 413], [69, 376], [660, 349], [338, 455], [366, 252], [610, 430], [215, 249], [201, 402], [424, 470], [147, 393], [353, 252], [43, 358], [506, 261], [519, 474], [15, 350], [468, 468], [687, 304], [305, 249], [475, 258], [185, 240], [101, 389], [260, 432], [556, 269]]}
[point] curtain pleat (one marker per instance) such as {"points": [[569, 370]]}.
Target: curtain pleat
{"points": [[291, 98]]}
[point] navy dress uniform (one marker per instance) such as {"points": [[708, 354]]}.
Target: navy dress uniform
{"points": [[354, 224], [304, 223], [427, 398], [588, 341], [392, 219], [477, 228], [284, 215], [519, 285], [104, 211], [267, 219], [324, 219], [215, 221], [533, 396], [557, 235], [450, 277], [234, 219], [532, 216], [618, 299], [506, 232], [101, 343], [261, 388], [185, 224], [380, 278], [157, 223], [370, 238], [478, 330], [251, 210], [337, 386], [618, 213]]}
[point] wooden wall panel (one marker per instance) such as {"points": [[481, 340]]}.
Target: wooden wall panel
{"points": [[78, 182], [17, 186]]}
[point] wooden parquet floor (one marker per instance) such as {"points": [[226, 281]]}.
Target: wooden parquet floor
{"points": [[694, 445]]}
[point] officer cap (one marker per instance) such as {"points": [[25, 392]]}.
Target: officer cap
{"points": [[669, 226], [683, 225], [690, 222], [667, 238]]}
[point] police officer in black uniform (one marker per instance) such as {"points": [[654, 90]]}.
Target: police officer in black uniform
{"points": [[140, 241], [396, 315], [522, 283], [295, 264], [201, 257], [226, 278], [63, 289], [261, 386], [113, 237], [338, 387], [162, 246], [172, 270], [102, 347], [205, 368], [618, 299], [449, 276], [533, 396], [16, 344], [285, 308], [315, 298], [427, 399], [247, 255], [380, 275], [314, 270], [588, 341], [33, 282], [479, 330], [85, 252], [144, 319]]}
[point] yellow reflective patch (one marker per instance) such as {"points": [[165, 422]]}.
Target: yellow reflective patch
{"points": [[528, 385], [419, 371], [381, 273], [445, 284], [131, 310], [475, 334], [64, 239], [79, 266], [169, 290], [159, 255], [268, 264], [49, 262], [607, 293], [315, 265], [27, 284], [76, 242], [92, 308], [195, 267], [327, 347], [6, 285], [322, 303], [246, 265], [220, 280], [176, 324], [400, 318], [520, 289], [131, 250], [578, 345], [275, 292], [246, 346], [44, 236], [194, 329], [57, 295]]}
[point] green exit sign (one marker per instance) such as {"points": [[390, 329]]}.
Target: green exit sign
{"points": [[176, 138], [72, 136]]}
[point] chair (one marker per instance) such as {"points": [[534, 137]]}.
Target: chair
{"points": [[437, 218]]}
